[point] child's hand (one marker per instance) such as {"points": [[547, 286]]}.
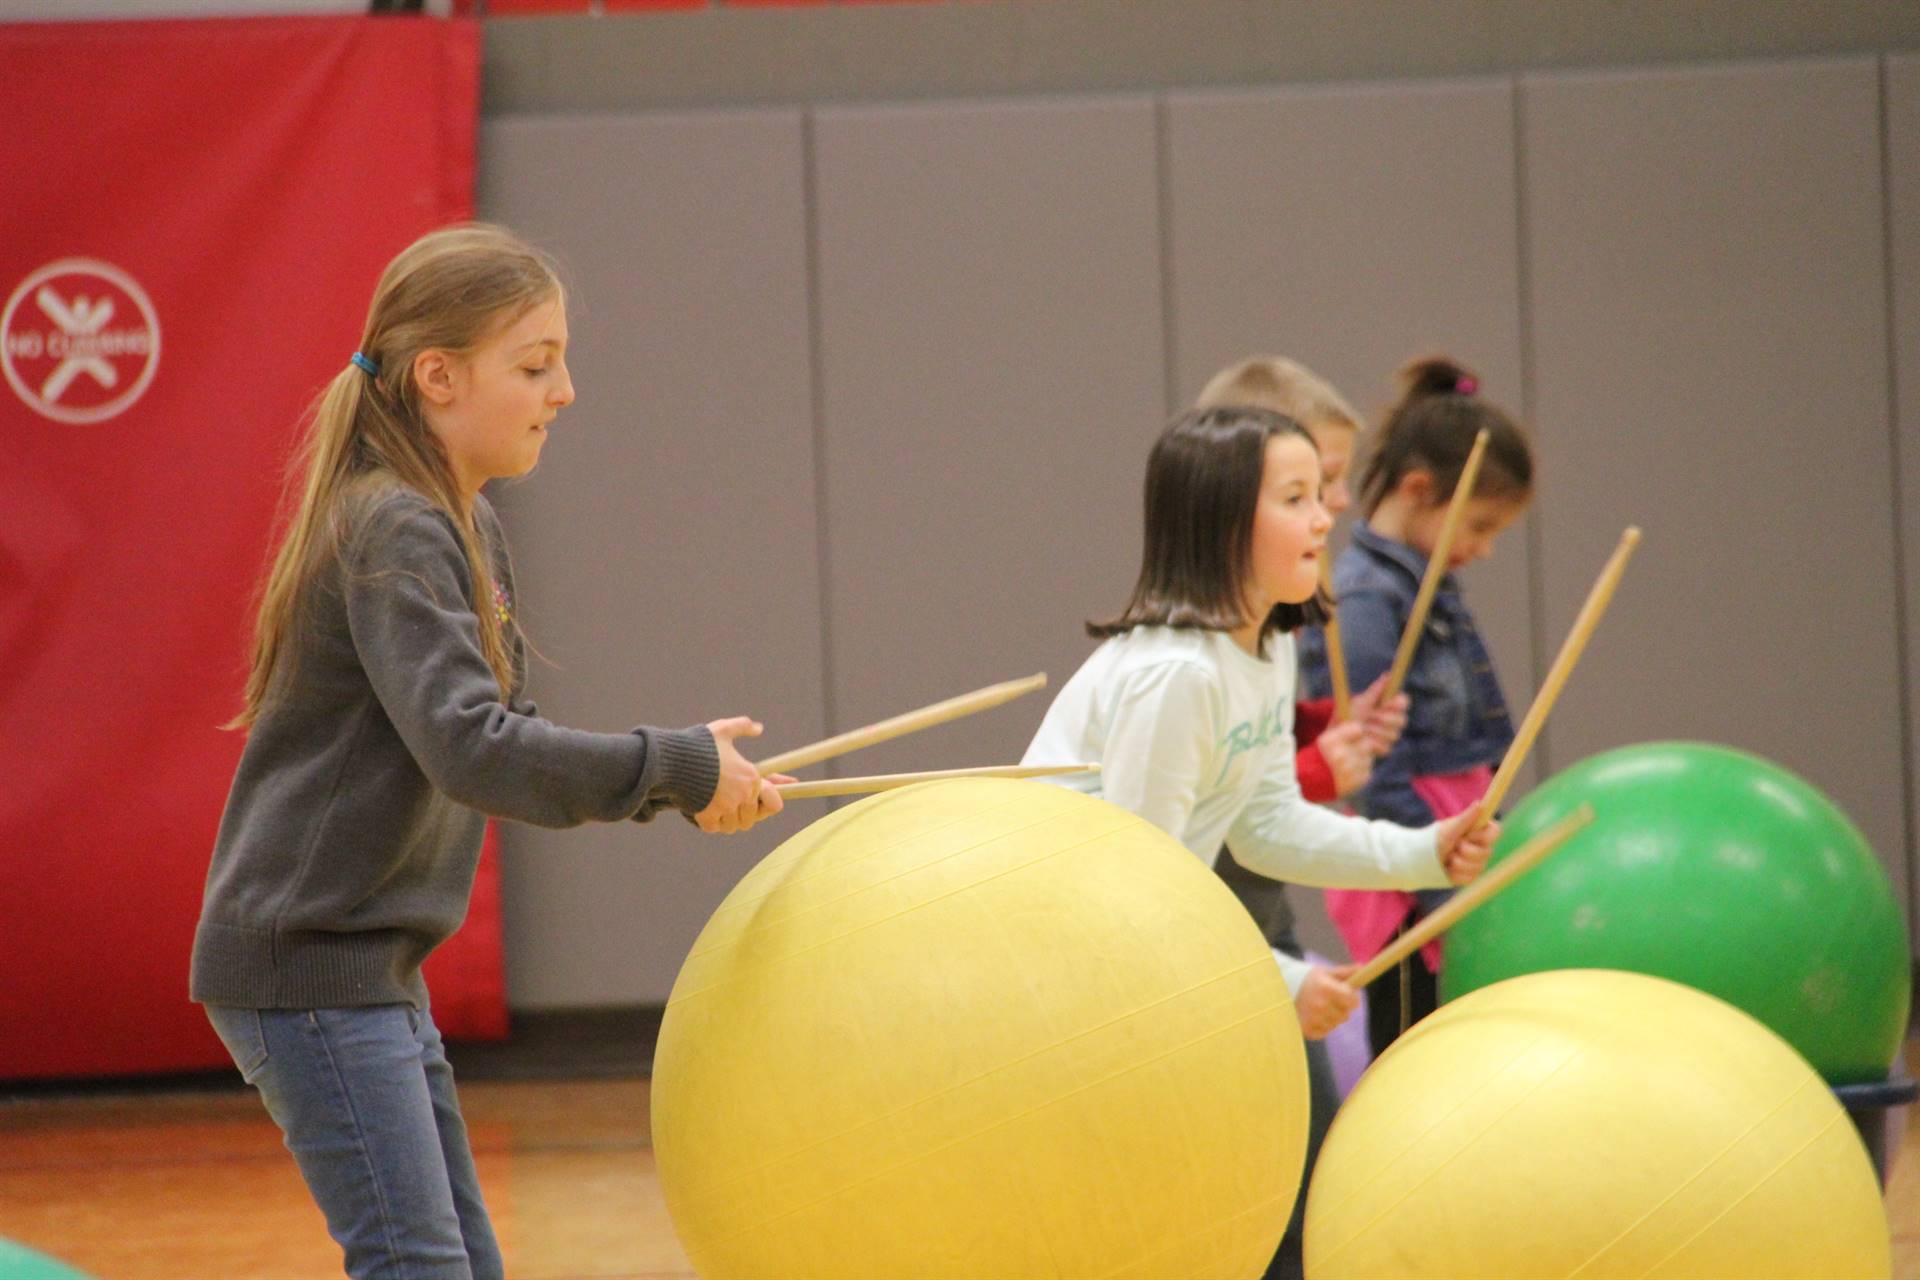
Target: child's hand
{"points": [[1348, 754], [742, 797], [1383, 721], [1325, 1000], [1464, 852]]}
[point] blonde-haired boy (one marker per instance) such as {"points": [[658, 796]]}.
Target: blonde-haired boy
{"points": [[1332, 760]]}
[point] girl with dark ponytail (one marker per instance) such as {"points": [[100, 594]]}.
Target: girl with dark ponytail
{"points": [[1458, 727]]}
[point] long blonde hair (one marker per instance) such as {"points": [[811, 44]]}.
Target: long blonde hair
{"points": [[448, 291]]}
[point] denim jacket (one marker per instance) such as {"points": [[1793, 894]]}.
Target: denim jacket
{"points": [[1457, 718]]}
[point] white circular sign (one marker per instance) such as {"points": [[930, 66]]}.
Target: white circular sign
{"points": [[79, 340]]}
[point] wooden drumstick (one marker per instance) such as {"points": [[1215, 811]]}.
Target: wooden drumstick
{"points": [[1576, 642], [888, 781], [1474, 896], [1436, 569], [1336, 656], [908, 722]]}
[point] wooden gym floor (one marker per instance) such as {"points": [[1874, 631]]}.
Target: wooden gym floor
{"points": [[191, 1183]]}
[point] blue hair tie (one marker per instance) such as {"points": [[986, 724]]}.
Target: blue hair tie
{"points": [[372, 369]]}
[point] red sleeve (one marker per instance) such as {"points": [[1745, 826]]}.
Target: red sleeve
{"points": [[1311, 718], [1316, 779]]}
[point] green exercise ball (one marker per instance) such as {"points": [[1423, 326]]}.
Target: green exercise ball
{"points": [[17, 1262], [1715, 868]]}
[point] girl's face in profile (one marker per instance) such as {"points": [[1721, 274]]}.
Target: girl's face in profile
{"points": [[1482, 521], [499, 397], [1289, 527]]}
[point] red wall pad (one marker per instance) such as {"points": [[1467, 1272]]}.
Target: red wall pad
{"points": [[195, 215]]}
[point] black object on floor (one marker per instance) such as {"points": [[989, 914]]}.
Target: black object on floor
{"points": [[558, 1044], [1868, 1106]]}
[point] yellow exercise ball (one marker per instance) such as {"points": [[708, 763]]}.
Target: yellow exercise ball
{"points": [[983, 1029], [1588, 1123]]}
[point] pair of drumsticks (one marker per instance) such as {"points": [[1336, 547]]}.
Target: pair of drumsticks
{"points": [[1544, 842], [910, 722]]}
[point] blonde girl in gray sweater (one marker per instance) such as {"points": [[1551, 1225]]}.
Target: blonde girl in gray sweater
{"points": [[385, 723]]}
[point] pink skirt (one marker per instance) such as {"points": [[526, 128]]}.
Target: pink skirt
{"points": [[1368, 918]]}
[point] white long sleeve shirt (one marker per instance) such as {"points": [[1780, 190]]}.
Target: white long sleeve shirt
{"points": [[1195, 734]]}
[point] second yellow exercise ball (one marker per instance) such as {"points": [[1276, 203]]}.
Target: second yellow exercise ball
{"points": [[1590, 1123], [980, 1029]]}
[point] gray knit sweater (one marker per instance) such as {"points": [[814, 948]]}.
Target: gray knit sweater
{"points": [[352, 831]]}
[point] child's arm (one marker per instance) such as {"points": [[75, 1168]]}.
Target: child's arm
{"points": [[1337, 759], [407, 598], [1321, 997], [1283, 835], [1311, 716], [1317, 781], [727, 811]]}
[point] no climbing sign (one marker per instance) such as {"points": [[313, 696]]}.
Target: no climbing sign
{"points": [[139, 487], [79, 340]]}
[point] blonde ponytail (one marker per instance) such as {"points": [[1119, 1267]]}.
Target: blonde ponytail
{"points": [[447, 291]]}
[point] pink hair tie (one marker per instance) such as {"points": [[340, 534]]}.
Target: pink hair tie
{"points": [[1467, 384]]}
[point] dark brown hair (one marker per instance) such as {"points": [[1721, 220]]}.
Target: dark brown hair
{"points": [[1432, 429], [1203, 486]]}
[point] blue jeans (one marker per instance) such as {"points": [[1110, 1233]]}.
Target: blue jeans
{"points": [[366, 1102]]}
